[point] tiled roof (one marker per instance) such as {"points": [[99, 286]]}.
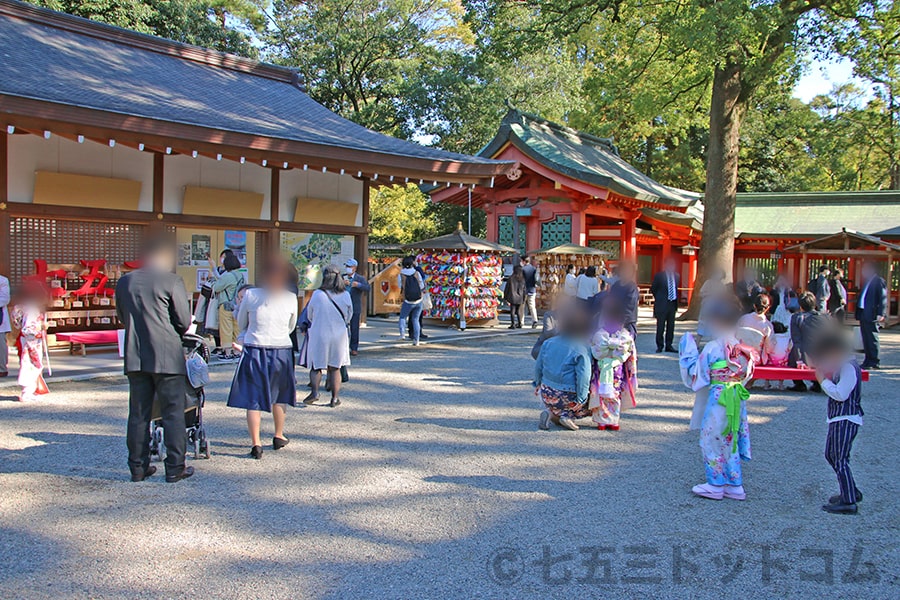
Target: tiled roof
{"points": [[818, 213], [71, 61], [583, 157]]}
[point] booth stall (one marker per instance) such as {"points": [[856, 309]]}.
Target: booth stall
{"points": [[464, 275], [551, 264]]}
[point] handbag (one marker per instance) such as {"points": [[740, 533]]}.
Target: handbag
{"points": [[427, 305]]}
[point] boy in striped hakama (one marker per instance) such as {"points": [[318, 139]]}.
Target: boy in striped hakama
{"points": [[840, 378]]}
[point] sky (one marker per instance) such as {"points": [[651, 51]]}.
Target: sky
{"points": [[822, 76]]}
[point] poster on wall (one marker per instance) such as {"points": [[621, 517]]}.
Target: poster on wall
{"points": [[236, 241], [310, 252], [202, 276], [200, 249], [184, 254]]}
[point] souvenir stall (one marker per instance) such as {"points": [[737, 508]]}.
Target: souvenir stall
{"points": [[551, 264], [463, 278]]}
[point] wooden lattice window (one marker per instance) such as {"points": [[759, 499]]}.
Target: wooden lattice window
{"points": [[67, 242], [556, 232], [506, 232], [611, 246]]}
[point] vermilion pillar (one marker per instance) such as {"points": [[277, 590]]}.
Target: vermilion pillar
{"points": [[692, 275], [629, 243], [493, 232], [579, 228]]}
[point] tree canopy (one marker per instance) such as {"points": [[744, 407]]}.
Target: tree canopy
{"points": [[697, 94]]}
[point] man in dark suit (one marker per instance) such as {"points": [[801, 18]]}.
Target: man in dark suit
{"points": [[625, 290], [747, 289], [871, 307], [822, 289], [153, 305], [357, 285], [665, 305]]}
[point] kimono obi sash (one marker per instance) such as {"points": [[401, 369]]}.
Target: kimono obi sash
{"points": [[733, 393]]}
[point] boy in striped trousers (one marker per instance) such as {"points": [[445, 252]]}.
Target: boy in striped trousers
{"points": [[841, 380]]}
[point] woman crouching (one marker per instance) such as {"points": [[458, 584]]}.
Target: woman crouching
{"points": [[264, 380], [562, 373]]}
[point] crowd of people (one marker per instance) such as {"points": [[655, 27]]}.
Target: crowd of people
{"points": [[585, 358]]}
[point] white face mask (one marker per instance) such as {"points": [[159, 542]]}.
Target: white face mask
{"points": [[349, 270]]}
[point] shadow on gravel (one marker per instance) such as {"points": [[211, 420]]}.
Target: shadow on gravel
{"points": [[472, 424], [496, 483], [62, 454]]}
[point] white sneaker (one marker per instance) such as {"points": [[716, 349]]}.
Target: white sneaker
{"points": [[735, 492], [713, 492]]}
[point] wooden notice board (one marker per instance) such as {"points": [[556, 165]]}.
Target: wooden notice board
{"points": [[86, 191]]}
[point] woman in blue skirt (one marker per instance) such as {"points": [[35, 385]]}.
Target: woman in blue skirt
{"points": [[264, 378]]}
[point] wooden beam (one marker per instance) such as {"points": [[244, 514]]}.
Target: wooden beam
{"points": [[274, 235], [68, 213], [62, 119], [4, 198], [159, 166]]}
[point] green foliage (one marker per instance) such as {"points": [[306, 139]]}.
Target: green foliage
{"points": [[189, 21], [398, 215]]}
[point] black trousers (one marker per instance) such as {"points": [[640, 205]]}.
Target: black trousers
{"points": [[837, 452], [354, 331], [793, 358], [169, 391], [871, 344], [665, 323], [514, 317]]}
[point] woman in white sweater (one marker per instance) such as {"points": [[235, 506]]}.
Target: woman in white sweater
{"points": [[328, 343], [264, 379]]}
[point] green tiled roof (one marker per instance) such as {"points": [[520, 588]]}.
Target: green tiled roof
{"points": [[818, 213], [583, 157]]}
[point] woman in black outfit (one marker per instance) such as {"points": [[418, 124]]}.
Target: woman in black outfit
{"points": [[514, 294]]}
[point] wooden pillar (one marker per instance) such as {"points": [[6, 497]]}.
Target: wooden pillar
{"points": [[274, 235], [804, 270], [4, 199], [629, 243], [159, 177], [666, 247], [579, 227], [362, 244], [493, 227], [692, 276]]}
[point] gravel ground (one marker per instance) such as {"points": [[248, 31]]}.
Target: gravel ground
{"points": [[432, 480]]}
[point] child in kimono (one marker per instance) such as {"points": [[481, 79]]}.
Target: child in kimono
{"points": [[28, 318], [778, 350], [614, 369], [718, 375]]}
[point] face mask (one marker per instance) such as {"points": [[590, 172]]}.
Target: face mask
{"points": [[349, 270]]}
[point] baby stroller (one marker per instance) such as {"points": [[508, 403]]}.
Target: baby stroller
{"points": [[197, 357]]}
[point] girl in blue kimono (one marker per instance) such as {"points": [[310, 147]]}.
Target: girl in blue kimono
{"points": [[718, 375]]}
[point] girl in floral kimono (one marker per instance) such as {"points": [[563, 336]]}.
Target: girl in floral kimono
{"points": [[614, 369], [718, 375], [28, 318]]}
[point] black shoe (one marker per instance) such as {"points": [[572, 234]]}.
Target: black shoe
{"points": [[185, 473], [513, 326], [815, 387], [534, 325], [836, 499], [798, 387], [671, 349], [335, 402], [658, 350], [279, 443], [256, 452], [840, 509], [875, 368], [422, 336], [148, 472], [310, 399]]}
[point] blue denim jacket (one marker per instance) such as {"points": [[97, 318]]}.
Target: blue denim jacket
{"points": [[564, 364]]}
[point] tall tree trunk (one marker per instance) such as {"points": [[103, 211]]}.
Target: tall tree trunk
{"points": [[727, 109]]}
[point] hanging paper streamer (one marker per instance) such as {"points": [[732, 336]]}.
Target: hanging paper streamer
{"points": [[453, 276]]}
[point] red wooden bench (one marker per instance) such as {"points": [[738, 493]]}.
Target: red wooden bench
{"points": [[790, 374], [106, 337]]}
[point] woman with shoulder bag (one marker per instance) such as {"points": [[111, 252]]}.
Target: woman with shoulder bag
{"points": [[225, 288], [328, 342]]}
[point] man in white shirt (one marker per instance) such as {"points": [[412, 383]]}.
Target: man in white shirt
{"points": [[4, 326]]}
